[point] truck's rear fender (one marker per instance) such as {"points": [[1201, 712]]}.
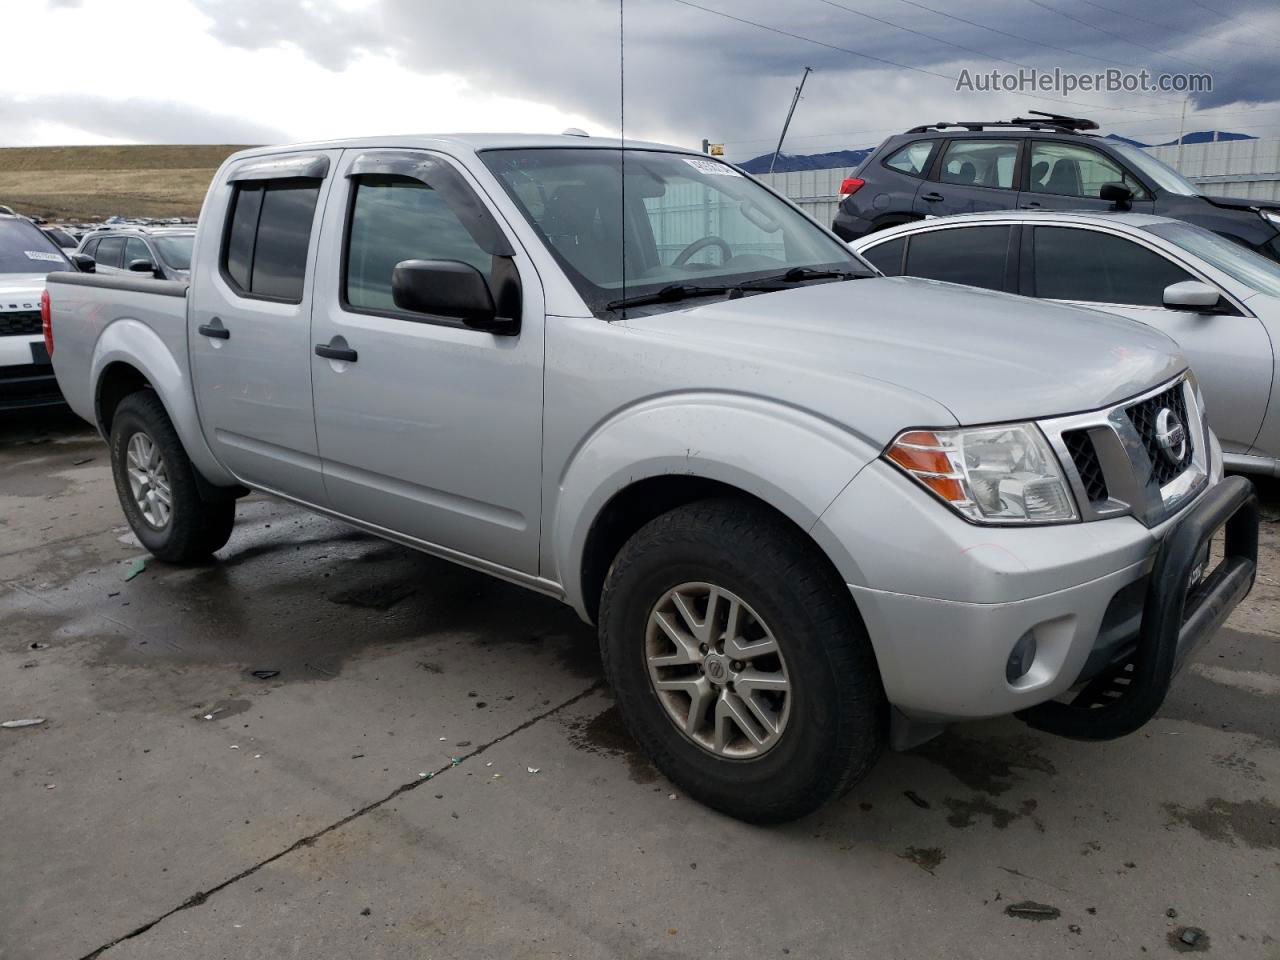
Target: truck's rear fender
{"points": [[127, 349], [685, 446]]}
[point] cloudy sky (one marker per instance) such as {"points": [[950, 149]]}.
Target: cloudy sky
{"points": [[250, 71]]}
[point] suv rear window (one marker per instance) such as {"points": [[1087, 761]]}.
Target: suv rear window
{"points": [[265, 250], [913, 159]]}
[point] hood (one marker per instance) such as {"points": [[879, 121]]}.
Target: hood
{"points": [[984, 356], [1241, 203], [21, 291]]}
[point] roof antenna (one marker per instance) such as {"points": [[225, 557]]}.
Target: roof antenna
{"points": [[574, 132]]}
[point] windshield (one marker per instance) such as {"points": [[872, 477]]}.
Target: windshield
{"points": [[1240, 263], [1165, 177], [25, 249], [686, 220], [175, 250]]}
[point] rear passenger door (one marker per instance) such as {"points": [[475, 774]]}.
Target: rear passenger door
{"points": [[979, 256], [1230, 355], [250, 321], [432, 429], [971, 176]]}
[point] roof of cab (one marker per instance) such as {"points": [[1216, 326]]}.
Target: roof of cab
{"points": [[465, 142]]}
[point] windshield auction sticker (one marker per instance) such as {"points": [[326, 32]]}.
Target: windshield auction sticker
{"points": [[42, 255], [712, 167]]}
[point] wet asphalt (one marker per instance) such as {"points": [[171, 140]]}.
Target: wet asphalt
{"points": [[325, 745]]}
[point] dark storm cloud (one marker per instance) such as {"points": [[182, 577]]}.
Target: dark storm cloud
{"points": [[691, 72], [145, 121]]}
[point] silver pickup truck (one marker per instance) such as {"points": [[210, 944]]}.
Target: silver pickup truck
{"points": [[813, 511]]}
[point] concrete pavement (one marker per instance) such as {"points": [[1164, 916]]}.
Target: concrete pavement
{"points": [[369, 793]]}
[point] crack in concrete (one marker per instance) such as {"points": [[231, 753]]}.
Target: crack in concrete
{"points": [[198, 899]]}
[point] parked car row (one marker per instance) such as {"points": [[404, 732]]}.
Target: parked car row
{"points": [[813, 511], [1051, 163], [27, 256]]}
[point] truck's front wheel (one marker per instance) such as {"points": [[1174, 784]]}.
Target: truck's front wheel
{"points": [[157, 485], [739, 661]]}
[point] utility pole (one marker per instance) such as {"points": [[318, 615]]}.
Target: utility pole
{"points": [[794, 100], [1182, 126]]}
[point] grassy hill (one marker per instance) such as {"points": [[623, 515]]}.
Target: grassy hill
{"points": [[89, 183]]}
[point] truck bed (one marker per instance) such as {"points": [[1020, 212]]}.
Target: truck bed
{"points": [[100, 319]]}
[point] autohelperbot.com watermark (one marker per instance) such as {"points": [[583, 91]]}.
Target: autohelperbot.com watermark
{"points": [[1065, 82]]}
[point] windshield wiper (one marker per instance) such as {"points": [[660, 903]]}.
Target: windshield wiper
{"points": [[681, 291], [674, 292]]}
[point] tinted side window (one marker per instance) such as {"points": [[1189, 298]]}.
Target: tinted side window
{"points": [[270, 229], [398, 218], [91, 248], [237, 256], [135, 249], [887, 257], [980, 163], [1068, 170], [1099, 267], [973, 255], [110, 250], [912, 159]]}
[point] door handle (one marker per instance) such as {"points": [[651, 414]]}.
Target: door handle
{"points": [[1029, 206], [214, 329], [336, 349], [932, 197]]}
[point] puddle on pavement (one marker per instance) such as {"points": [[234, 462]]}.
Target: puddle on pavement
{"points": [[1255, 823], [605, 735]]}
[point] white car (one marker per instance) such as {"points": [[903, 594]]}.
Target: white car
{"points": [[27, 255], [1219, 300]]}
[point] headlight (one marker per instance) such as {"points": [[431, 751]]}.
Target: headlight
{"points": [[1004, 474], [1271, 216]]}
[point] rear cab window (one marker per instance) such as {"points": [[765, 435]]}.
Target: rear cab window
{"points": [[264, 250]]}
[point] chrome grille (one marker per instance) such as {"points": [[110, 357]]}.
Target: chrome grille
{"points": [[1085, 457], [1116, 464], [20, 323], [1143, 416]]}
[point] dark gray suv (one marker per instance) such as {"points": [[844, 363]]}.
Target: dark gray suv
{"points": [[1052, 164]]}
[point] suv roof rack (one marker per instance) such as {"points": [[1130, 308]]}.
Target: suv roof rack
{"points": [[1055, 122]]}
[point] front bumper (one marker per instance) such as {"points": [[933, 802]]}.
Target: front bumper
{"points": [[943, 650], [26, 375]]}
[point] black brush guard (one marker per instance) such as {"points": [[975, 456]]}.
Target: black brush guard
{"points": [[1176, 619]]}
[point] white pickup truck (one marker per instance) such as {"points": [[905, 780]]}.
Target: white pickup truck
{"points": [[812, 511]]}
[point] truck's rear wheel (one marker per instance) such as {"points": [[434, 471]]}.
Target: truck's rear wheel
{"points": [[739, 661], [157, 485]]}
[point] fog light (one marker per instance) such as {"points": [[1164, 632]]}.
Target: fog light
{"points": [[1020, 660]]}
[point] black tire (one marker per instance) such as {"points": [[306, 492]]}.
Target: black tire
{"points": [[838, 719], [196, 526]]}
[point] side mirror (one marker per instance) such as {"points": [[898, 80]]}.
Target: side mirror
{"points": [[142, 266], [1117, 194], [1192, 295], [450, 288], [84, 263]]}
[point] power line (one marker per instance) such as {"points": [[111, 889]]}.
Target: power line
{"points": [[988, 56], [1117, 36], [893, 63], [829, 46], [1015, 36], [1165, 26]]}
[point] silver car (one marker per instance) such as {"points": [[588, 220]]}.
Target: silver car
{"points": [[1219, 300]]}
